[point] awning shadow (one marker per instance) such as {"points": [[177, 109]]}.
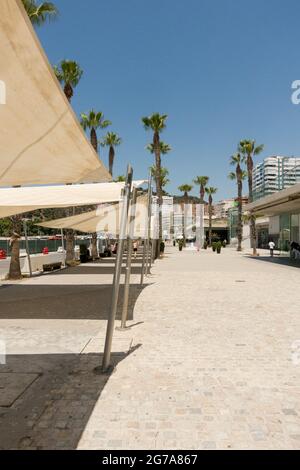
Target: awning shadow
{"points": [[92, 269], [92, 302], [277, 260], [56, 398]]}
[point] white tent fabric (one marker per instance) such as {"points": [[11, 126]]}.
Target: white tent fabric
{"points": [[41, 139], [20, 200], [105, 219]]}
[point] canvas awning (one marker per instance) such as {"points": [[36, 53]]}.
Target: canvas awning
{"points": [[106, 218], [41, 140], [20, 200]]}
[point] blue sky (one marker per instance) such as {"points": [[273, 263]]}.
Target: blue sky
{"points": [[221, 69]]}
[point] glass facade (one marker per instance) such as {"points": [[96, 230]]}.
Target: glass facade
{"points": [[289, 230]]}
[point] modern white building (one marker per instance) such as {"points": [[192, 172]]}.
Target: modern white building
{"points": [[274, 174], [221, 208]]}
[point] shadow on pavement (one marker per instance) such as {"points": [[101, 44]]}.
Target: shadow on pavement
{"points": [[86, 302], [277, 260], [93, 269], [52, 410]]}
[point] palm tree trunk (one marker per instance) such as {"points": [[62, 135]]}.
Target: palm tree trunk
{"points": [[94, 247], [111, 159], [202, 194], [156, 145], [68, 92], [253, 235], [70, 242], [240, 212], [94, 140], [14, 267], [210, 222]]}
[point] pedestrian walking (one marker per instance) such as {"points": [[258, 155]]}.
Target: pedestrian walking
{"points": [[135, 248], [271, 246]]}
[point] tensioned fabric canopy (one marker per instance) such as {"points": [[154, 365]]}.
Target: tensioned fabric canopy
{"points": [[20, 200], [106, 218], [41, 140]]}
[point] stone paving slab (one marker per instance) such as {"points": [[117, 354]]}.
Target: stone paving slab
{"points": [[13, 385], [216, 368], [54, 330]]}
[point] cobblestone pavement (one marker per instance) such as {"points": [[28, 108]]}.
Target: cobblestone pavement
{"points": [[54, 330], [218, 367], [214, 358]]}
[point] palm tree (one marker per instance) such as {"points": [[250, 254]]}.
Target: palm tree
{"points": [[68, 73], [111, 140], [186, 189], [164, 148], [120, 179], [164, 173], [40, 13], [248, 148], [157, 123], [201, 181], [94, 121], [239, 175], [210, 191]]}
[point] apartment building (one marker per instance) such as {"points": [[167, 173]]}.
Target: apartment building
{"points": [[274, 174]]}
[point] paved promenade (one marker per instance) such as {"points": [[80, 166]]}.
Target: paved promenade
{"points": [[215, 369], [212, 360]]}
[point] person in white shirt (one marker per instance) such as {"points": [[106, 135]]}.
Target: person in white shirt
{"points": [[135, 248], [271, 246]]}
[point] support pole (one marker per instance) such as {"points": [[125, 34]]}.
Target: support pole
{"points": [[27, 247], [129, 256], [147, 238], [117, 274]]}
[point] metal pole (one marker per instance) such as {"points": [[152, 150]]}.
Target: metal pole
{"points": [[27, 247], [117, 274], [129, 256], [147, 240]]}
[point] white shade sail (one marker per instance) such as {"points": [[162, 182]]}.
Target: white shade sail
{"points": [[41, 139], [105, 219], [19, 200]]}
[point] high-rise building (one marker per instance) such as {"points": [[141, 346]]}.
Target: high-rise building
{"points": [[274, 174]]}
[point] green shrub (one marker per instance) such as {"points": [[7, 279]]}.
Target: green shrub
{"points": [[218, 247]]}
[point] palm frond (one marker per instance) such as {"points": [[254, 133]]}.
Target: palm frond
{"points": [[201, 180], [211, 190], [68, 72], [40, 13]]}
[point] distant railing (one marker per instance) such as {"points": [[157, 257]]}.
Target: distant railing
{"points": [[37, 245]]}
